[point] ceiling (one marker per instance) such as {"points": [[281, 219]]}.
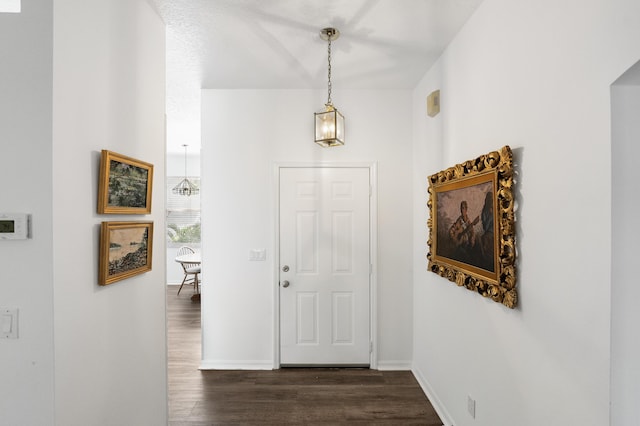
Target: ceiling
{"points": [[276, 44]]}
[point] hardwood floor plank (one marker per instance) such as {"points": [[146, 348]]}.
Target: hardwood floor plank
{"points": [[289, 396]]}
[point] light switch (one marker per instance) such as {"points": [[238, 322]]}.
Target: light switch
{"points": [[6, 323], [257, 254], [9, 326]]}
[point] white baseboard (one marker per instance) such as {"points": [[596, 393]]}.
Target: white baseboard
{"points": [[394, 365], [236, 365], [433, 398], [268, 365]]}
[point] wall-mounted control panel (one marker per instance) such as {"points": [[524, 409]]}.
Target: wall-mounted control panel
{"points": [[14, 226]]}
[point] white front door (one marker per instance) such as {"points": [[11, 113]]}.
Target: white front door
{"points": [[324, 266]]}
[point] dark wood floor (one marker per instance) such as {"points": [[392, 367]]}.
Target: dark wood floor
{"points": [[300, 396]]}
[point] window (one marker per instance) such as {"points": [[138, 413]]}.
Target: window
{"points": [[183, 214]]}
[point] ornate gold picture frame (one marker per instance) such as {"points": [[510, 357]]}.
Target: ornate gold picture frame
{"points": [[471, 226], [125, 184], [125, 250]]}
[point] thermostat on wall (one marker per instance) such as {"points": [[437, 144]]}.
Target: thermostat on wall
{"points": [[14, 226]]}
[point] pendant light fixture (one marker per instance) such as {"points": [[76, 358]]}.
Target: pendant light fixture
{"points": [[329, 123], [185, 187]]}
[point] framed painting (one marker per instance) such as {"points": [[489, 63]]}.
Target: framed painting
{"points": [[125, 250], [125, 184], [471, 226]]}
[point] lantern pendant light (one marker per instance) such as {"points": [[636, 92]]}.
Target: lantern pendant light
{"points": [[185, 187], [329, 123]]}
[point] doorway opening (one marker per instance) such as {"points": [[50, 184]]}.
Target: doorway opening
{"points": [[183, 311]]}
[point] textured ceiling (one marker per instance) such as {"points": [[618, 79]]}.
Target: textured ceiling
{"points": [[275, 44]]}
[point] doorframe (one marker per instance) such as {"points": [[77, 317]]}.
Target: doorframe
{"points": [[373, 250]]}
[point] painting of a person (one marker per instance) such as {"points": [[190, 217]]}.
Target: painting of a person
{"points": [[462, 233]]}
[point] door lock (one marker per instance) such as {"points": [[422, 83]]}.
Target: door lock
{"points": [[285, 268]]}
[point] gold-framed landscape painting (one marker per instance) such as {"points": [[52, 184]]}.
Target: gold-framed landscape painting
{"points": [[125, 184], [125, 250], [471, 226]]}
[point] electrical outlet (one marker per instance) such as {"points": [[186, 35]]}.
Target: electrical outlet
{"points": [[471, 407]]}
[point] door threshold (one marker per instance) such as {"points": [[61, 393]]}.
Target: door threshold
{"points": [[325, 366]]}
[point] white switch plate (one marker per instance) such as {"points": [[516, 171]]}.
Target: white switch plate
{"points": [[9, 323], [257, 254]]}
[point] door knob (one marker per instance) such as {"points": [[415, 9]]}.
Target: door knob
{"points": [[285, 283]]}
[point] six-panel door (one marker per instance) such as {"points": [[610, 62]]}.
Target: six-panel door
{"points": [[324, 266]]}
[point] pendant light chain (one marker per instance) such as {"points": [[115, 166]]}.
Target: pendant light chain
{"points": [[329, 73], [185, 161]]}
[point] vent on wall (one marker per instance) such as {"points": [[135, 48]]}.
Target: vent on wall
{"points": [[9, 6], [433, 103]]}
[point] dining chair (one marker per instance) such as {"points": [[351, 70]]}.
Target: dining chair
{"points": [[191, 270]]}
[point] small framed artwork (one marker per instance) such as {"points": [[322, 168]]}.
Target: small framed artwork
{"points": [[471, 226], [125, 184], [125, 250]]}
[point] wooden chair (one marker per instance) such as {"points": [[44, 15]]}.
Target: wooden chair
{"points": [[191, 270]]}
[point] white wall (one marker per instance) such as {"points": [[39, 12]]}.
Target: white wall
{"points": [[110, 342], [625, 292], [245, 132], [26, 267], [535, 76], [101, 86]]}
